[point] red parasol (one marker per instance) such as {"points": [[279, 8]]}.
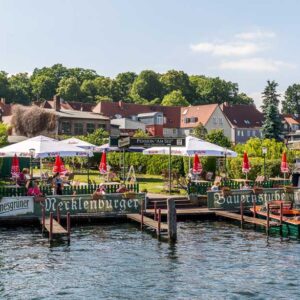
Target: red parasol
{"points": [[197, 166], [15, 167], [246, 165], [284, 167], [59, 165], [103, 164]]}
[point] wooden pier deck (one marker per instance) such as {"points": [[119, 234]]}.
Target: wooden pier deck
{"points": [[246, 219], [150, 223], [57, 228], [186, 212]]}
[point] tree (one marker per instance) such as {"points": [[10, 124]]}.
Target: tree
{"points": [[216, 136], [20, 89], [121, 86], [291, 102], [43, 87], [175, 98], [140, 134], [3, 134], [242, 98], [89, 90], [272, 127], [199, 131], [146, 87], [98, 137], [69, 89], [176, 80], [4, 87], [270, 96]]}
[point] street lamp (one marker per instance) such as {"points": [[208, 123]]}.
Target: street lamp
{"points": [[264, 151], [32, 153]]}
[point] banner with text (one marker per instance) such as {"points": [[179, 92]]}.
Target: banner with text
{"points": [[15, 206]]}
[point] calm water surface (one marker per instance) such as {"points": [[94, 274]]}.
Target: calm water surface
{"points": [[212, 260]]}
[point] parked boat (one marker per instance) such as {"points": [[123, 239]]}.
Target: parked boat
{"points": [[290, 217]]}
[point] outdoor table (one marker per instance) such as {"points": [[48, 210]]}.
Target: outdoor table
{"points": [[278, 179], [200, 181], [241, 180]]}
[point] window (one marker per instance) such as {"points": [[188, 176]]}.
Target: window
{"points": [[90, 127], [215, 121], [78, 128], [65, 128], [160, 120], [248, 132], [194, 120], [238, 133], [254, 133], [186, 120], [103, 126], [221, 121], [242, 132]]}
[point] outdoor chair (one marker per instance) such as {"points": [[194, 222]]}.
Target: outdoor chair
{"points": [[209, 176], [69, 179]]}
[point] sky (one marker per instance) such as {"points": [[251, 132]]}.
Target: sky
{"points": [[247, 42]]}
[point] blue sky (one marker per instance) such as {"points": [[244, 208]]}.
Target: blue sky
{"points": [[247, 42]]}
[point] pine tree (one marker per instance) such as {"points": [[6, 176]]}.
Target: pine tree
{"points": [[270, 96], [272, 127]]}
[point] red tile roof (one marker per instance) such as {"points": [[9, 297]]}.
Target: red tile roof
{"points": [[201, 112], [72, 105], [126, 110], [291, 120], [243, 116]]}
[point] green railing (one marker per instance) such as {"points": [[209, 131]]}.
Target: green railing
{"points": [[202, 187], [67, 190]]}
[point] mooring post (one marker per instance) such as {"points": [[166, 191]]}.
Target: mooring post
{"points": [[58, 215], [142, 214], [69, 226], [254, 208], [159, 222], [242, 212], [43, 218], [155, 211], [281, 216], [51, 227], [172, 220], [268, 218]]}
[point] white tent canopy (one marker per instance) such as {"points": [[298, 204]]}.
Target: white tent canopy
{"points": [[193, 145], [81, 144], [43, 147]]}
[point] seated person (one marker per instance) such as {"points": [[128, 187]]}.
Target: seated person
{"points": [[122, 189], [216, 186], [99, 192], [33, 189], [23, 177], [246, 186]]}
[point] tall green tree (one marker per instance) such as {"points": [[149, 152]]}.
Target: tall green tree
{"points": [[175, 98], [216, 136], [272, 127], [121, 86], [270, 95], [146, 87], [200, 131], [291, 102], [20, 89], [176, 80], [43, 87], [4, 86], [69, 89]]}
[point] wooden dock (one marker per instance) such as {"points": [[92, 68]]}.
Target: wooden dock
{"points": [[185, 212], [246, 219], [57, 228], [148, 222]]}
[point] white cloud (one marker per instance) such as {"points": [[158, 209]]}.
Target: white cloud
{"points": [[227, 49], [255, 64], [254, 35]]}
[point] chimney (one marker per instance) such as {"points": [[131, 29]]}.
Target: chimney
{"points": [[56, 100], [3, 100]]}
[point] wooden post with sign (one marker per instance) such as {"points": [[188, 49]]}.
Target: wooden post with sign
{"points": [[172, 220]]}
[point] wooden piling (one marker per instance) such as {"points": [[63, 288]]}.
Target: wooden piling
{"points": [[254, 208], [58, 215], [43, 218], [69, 226], [172, 219], [142, 215], [242, 212], [51, 227], [155, 211], [281, 216], [159, 223], [268, 218]]}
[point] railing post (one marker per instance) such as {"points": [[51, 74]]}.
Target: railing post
{"points": [[159, 222], [51, 227], [155, 210], [268, 218], [69, 226]]}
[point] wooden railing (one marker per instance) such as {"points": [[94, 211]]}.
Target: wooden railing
{"points": [[67, 190]]}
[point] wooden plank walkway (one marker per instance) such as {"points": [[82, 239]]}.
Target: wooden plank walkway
{"points": [[186, 211], [57, 228], [246, 219], [148, 222]]}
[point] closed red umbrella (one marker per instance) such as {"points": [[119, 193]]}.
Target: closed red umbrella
{"points": [[103, 164], [15, 166], [197, 166], [246, 165], [59, 165], [284, 167]]}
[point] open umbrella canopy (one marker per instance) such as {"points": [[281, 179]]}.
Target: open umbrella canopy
{"points": [[15, 167], [81, 144], [193, 146], [284, 167], [43, 147], [103, 164], [197, 166], [59, 166], [246, 164]]}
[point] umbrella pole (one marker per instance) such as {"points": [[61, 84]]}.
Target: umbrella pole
{"points": [[41, 167], [88, 170], [124, 165], [170, 167], [189, 165]]}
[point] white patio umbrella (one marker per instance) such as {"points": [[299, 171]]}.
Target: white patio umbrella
{"points": [[43, 147], [81, 144]]}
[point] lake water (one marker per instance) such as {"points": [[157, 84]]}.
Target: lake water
{"points": [[211, 260]]}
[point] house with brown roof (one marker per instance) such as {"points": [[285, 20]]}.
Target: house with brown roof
{"points": [[67, 105], [210, 116], [245, 121]]}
